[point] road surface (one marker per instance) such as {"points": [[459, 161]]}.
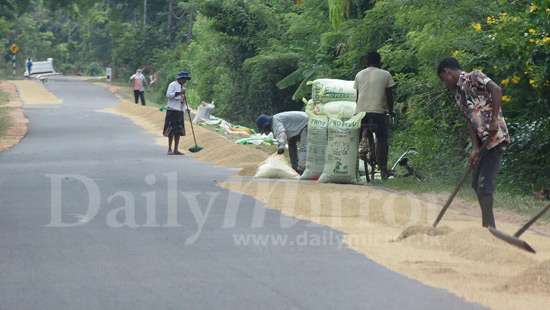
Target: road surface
{"points": [[149, 231]]}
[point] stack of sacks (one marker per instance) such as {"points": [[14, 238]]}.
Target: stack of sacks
{"points": [[333, 132], [328, 90], [317, 131], [341, 159]]}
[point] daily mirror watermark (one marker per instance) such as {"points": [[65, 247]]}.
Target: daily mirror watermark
{"points": [[164, 204]]}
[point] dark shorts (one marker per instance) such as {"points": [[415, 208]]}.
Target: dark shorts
{"points": [[174, 124], [377, 123], [485, 174]]}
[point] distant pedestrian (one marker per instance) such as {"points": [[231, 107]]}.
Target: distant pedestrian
{"points": [[138, 82], [29, 65], [174, 125], [288, 127], [479, 98], [375, 97]]}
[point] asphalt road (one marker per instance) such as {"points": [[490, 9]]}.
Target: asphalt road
{"points": [[149, 247]]}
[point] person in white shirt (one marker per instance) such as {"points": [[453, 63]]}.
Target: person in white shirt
{"points": [[137, 81], [174, 125]]}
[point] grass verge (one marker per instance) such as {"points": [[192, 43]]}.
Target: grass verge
{"points": [[4, 120]]}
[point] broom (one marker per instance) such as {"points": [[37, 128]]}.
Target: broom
{"points": [[196, 148]]}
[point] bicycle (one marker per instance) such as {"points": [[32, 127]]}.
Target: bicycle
{"points": [[368, 153]]}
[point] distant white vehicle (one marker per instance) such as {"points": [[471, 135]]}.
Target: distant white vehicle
{"points": [[41, 68]]}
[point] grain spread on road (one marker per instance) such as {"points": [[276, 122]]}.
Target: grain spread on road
{"points": [[17, 123], [33, 92], [391, 228]]}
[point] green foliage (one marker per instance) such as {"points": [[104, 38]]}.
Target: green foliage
{"points": [[262, 73], [4, 119], [255, 56], [338, 10], [95, 69], [516, 53]]}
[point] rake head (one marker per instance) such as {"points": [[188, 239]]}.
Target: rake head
{"points": [[195, 149]]}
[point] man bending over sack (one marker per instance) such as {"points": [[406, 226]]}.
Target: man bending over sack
{"points": [[479, 98], [288, 127]]}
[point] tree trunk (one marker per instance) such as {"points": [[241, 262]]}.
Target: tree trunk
{"points": [[190, 26], [170, 16], [144, 13]]}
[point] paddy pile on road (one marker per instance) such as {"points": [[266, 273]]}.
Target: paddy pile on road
{"points": [[459, 256], [17, 124], [33, 92]]}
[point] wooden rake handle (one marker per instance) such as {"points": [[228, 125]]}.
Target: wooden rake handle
{"points": [[452, 196], [458, 186], [531, 222]]}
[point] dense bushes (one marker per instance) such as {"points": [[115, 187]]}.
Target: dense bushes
{"points": [[95, 69], [254, 56], [507, 40]]}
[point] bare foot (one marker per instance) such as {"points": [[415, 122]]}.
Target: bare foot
{"points": [[178, 153]]}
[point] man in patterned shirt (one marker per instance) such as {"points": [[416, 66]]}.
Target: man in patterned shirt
{"points": [[479, 98]]}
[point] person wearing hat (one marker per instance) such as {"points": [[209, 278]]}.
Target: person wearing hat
{"points": [[174, 126], [138, 80], [288, 127]]}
